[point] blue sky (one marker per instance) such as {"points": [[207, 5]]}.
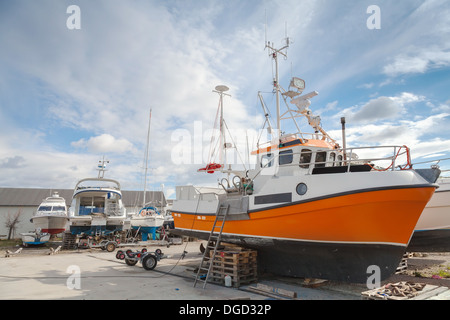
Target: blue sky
{"points": [[70, 97]]}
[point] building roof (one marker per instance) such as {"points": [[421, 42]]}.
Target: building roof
{"points": [[23, 197]]}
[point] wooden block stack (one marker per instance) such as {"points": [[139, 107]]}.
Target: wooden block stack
{"points": [[69, 241], [238, 263]]}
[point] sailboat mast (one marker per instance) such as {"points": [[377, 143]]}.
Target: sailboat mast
{"points": [[146, 157]]}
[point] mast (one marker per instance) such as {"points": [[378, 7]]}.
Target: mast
{"points": [[101, 167], [146, 157], [274, 54], [220, 89]]}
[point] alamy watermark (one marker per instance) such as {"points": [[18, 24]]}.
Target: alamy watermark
{"points": [[74, 280], [374, 21], [374, 278], [73, 22]]}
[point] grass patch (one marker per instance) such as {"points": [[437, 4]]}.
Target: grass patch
{"points": [[10, 243]]}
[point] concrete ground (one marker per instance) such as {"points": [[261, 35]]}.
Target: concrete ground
{"points": [[33, 274], [93, 274]]}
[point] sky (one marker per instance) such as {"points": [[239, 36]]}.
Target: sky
{"points": [[78, 85]]}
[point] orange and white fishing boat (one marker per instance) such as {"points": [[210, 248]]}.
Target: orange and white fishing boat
{"points": [[311, 207]]}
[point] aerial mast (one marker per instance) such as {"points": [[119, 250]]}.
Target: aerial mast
{"points": [[273, 52], [221, 89]]}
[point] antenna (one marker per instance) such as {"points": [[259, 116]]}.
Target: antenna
{"points": [[274, 54], [101, 167], [265, 27]]}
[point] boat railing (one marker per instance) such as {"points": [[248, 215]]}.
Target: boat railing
{"points": [[303, 136], [349, 158]]}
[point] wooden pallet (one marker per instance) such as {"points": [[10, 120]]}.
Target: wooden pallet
{"points": [[403, 266], [69, 241], [240, 265]]}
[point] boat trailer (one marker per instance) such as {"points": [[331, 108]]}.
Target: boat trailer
{"points": [[147, 259]]}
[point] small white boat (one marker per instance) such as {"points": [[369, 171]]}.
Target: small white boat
{"points": [[432, 232], [147, 221], [51, 215], [35, 238]]}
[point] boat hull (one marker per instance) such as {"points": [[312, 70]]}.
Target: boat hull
{"points": [[334, 238], [437, 240], [51, 224], [147, 225], [35, 239], [432, 232]]}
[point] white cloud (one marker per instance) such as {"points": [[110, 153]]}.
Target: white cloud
{"points": [[418, 62], [101, 80], [381, 108], [104, 143]]}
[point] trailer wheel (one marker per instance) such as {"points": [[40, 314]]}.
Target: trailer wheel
{"points": [[110, 246], [130, 262], [149, 262]]}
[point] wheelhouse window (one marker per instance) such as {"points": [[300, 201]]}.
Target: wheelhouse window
{"points": [[267, 160], [339, 163], [333, 159], [286, 157], [320, 159], [305, 158]]}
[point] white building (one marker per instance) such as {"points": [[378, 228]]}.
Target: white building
{"points": [[25, 201]]}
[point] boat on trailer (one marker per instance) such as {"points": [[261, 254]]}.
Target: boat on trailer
{"points": [[51, 215], [311, 207], [148, 219], [97, 207]]}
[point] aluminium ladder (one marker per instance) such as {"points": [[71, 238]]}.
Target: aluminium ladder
{"points": [[213, 243]]}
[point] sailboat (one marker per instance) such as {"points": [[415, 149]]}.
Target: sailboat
{"points": [[310, 207], [148, 219]]}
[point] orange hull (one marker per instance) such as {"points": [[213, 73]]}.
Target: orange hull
{"points": [[383, 216]]}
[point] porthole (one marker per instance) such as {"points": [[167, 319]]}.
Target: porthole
{"points": [[301, 188]]}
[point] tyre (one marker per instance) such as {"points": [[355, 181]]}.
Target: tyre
{"points": [[119, 254], [149, 262], [130, 262], [110, 246]]}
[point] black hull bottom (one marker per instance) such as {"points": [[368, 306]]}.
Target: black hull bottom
{"points": [[353, 263], [430, 241]]}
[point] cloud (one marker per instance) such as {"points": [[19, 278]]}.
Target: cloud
{"points": [[414, 134], [12, 162], [104, 143], [418, 62], [381, 108], [99, 82]]}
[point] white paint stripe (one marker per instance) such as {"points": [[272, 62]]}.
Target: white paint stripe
{"points": [[300, 240]]}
